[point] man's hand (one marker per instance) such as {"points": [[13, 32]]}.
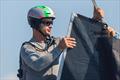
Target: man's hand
{"points": [[111, 31], [98, 13], [67, 42]]}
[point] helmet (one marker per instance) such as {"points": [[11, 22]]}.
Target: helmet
{"points": [[37, 13]]}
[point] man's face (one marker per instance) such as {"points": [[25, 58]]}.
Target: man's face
{"points": [[46, 26]]}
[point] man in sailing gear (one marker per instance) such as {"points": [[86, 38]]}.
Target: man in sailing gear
{"points": [[39, 56]]}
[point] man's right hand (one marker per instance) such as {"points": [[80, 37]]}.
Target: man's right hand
{"points": [[67, 42]]}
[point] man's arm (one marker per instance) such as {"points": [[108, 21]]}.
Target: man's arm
{"points": [[36, 60], [98, 14]]}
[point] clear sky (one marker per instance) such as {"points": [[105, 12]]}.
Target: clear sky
{"points": [[14, 28]]}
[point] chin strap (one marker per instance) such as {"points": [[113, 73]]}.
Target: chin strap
{"points": [[49, 40], [42, 33]]}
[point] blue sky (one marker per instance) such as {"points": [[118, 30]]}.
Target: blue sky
{"points": [[14, 28]]}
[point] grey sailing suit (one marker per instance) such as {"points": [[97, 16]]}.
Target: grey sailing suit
{"points": [[39, 65]]}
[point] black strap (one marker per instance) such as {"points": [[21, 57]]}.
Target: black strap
{"points": [[20, 71]]}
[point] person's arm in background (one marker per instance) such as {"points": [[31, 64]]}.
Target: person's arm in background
{"points": [[98, 14]]}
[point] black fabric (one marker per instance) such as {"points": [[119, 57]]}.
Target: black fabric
{"points": [[116, 51], [92, 58]]}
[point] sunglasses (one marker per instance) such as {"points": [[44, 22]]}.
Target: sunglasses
{"points": [[47, 23]]}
